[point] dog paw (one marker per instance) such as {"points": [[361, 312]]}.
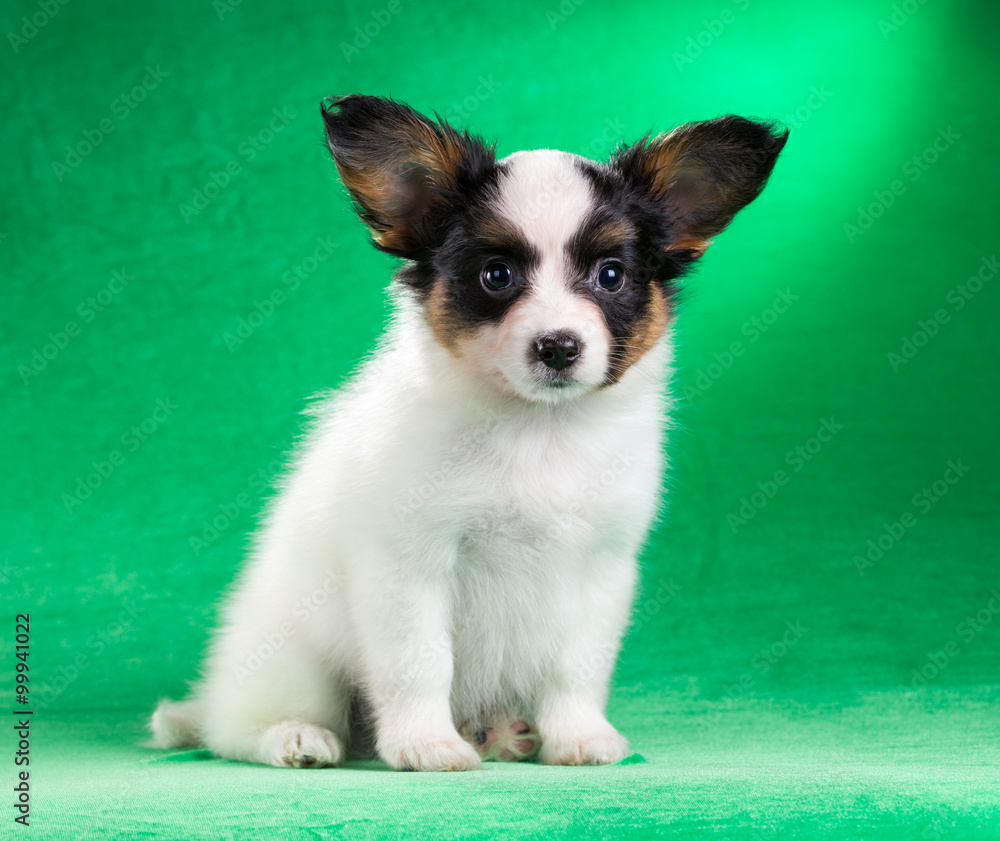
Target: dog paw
{"points": [[295, 744], [431, 754], [504, 739], [601, 748]]}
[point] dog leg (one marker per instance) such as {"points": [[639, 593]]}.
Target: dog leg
{"points": [[575, 732], [286, 710], [570, 703], [408, 664]]}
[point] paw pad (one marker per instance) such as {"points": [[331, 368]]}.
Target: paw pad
{"points": [[502, 739]]}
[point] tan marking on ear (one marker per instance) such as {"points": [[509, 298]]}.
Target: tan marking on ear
{"points": [[705, 173], [440, 155], [391, 239], [370, 188], [662, 159], [366, 185], [383, 190], [671, 172], [648, 331], [694, 245]]}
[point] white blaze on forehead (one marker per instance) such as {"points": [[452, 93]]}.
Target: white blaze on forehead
{"points": [[547, 198]]}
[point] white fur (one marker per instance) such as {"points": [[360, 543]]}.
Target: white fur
{"points": [[449, 541], [547, 198]]}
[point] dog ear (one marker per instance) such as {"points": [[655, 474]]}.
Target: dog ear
{"points": [[702, 174], [401, 168]]}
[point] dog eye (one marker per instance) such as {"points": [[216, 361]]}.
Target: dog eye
{"points": [[497, 276], [610, 277]]}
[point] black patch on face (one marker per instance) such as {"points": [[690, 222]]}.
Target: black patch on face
{"points": [[624, 227], [462, 230], [621, 206], [477, 236], [455, 225]]}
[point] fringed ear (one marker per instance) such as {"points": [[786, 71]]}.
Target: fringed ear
{"points": [[702, 174], [401, 168]]}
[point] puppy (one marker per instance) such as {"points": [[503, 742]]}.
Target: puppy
{"points": [[451, 561]]}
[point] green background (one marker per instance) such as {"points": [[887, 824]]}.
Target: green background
{"points": [[773, 694]]}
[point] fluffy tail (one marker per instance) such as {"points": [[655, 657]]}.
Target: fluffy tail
{"points": [[176, 725]]}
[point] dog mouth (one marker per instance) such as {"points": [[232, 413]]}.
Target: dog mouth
{"points": [[548, 379], [556, 379], [554, 387], [541, 383]]}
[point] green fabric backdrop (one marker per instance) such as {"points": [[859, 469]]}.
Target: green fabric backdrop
{"points": [[816, 648]]}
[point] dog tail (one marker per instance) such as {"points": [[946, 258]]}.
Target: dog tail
{"points": [[176, 725]]}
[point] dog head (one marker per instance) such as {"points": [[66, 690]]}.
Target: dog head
{"points": [[546, 273]]}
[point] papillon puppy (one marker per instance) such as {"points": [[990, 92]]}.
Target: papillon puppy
{"points": [[448, 569]]}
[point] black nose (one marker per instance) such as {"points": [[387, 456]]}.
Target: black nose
{"points": [[558, 351]]}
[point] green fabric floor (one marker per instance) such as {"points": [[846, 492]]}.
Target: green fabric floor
{"points": [[880, 768], [816, 647]]}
